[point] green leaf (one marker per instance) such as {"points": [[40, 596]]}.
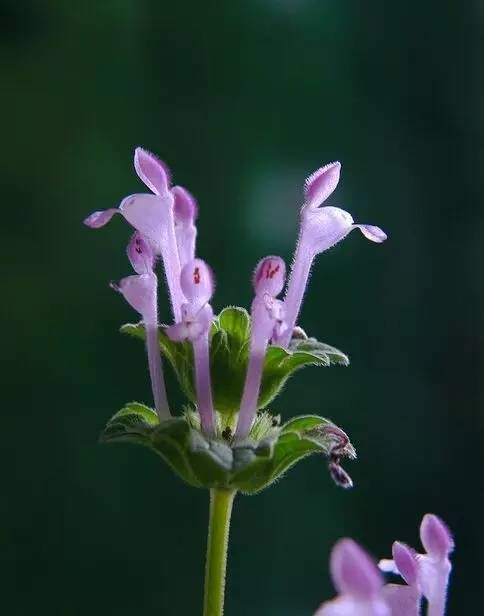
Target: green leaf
{"points": [[170, 440], [321, 350], [249, 466], [298, 438], [229, 353], [229, 358], [211, 460], [322, 432], [280, 364], [236, 322], [133, 423]]}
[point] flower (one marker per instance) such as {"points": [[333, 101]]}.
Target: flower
{"points": [[358, 582], [141, 291], [427, 573], [403, 600], [267, 317], [360, 586], [320, 229], [197, 315], [164, 218]]}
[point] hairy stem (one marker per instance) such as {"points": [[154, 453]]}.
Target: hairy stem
{"points": [[218, 538]]}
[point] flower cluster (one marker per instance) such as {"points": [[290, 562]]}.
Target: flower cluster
{"points": [[360, 585], [164, 223]]}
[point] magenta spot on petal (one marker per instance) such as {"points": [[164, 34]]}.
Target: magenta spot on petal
{"points": [[269, 276], [196, 281], [140, 254]]}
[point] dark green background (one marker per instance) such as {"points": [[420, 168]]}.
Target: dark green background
{"points": [[243, 100]]}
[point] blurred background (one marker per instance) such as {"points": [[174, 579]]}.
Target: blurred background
{"points": [[243, 100]]}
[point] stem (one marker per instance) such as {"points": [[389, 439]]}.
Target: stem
{"points": [[218, 538]]}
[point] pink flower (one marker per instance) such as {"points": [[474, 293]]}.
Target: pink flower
{"points": [[165, 219], [358, 582], [197, 316], [141, 292], [321, 228], [427, 573], [267, 318]]}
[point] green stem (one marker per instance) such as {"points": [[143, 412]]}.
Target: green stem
{"points": [[218, 539]]}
